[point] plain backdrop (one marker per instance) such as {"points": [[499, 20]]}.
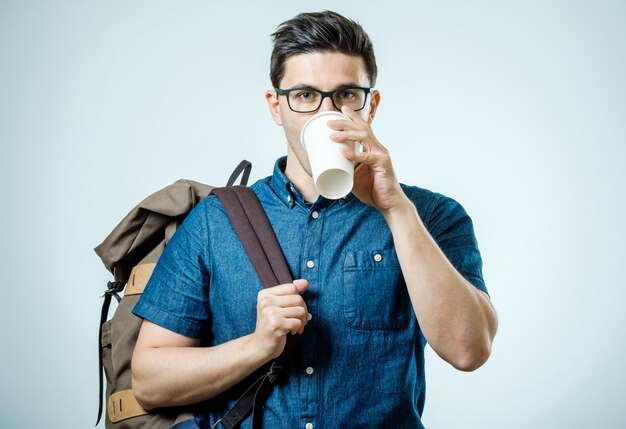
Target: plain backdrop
{"points": [[517, 109]]}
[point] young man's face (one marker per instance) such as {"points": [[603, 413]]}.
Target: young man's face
{"points": [[325, 72]]}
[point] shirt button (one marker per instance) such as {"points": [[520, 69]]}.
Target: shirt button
{"points": [[315, 215], [309, 316], [310, 264], [288, 198], [378, 257], [309, 370], [308, 426]]}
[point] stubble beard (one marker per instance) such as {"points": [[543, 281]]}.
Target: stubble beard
{"points": [[298, 150]]}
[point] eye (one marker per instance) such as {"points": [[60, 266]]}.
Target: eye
{"points": [[306, 95], [346, 94]]}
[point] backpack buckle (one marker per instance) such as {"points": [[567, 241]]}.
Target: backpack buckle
{"points": [[113, 288], [275, 371]]}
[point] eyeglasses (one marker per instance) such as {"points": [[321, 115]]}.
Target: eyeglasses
{"points": [[308, 100]]}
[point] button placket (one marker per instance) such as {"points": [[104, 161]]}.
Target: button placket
{"points": [[311, 258]]}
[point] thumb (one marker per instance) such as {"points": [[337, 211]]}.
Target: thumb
{"points": [[302, 285]]}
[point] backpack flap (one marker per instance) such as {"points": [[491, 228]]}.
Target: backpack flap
{"points": [[143, 229]]}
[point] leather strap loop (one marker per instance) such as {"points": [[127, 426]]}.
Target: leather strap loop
{"points": [[123, 405], [138, 279]]}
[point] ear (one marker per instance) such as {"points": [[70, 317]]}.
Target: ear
{"points": [[272, 102], [374, 102]]}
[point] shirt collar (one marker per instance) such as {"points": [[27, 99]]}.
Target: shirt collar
{"points": [[281, 185], [289, 194]]}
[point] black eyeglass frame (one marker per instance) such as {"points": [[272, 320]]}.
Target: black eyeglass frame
{"points": [[324, 94]]}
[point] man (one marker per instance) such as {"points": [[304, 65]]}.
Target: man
{"points": [[380, 272]]}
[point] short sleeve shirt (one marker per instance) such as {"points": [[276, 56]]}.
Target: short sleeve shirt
{"points": [[360, 361]]}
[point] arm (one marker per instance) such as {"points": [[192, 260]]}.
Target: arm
{"points": [[457, 320], [170, 369]]}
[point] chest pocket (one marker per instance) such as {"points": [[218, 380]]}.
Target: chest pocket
{"points": [[374, 292]]}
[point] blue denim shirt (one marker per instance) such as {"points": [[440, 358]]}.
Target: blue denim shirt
{"points": [[360, 361]]}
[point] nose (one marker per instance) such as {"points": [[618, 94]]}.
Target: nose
{"points": [[327, 105]]}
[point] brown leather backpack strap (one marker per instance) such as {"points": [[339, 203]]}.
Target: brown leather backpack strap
{"points": [[255, 233], [264, 231], [259, 240], [261, 245]]}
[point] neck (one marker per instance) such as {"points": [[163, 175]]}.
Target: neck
{"points": [[300, 178]]}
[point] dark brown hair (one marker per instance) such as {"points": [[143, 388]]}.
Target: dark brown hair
{"points": [[320, 32]]}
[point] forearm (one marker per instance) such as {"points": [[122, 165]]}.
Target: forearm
{"points": [[457, 320], [171, 376]]}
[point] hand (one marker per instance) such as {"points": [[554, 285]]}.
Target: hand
{"points": [[280, 311], [375, 181]]}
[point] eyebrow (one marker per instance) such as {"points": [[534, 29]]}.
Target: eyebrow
{"points": [[309, 86]]}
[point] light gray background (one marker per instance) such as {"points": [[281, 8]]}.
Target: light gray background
{"points": [[515, 108]]}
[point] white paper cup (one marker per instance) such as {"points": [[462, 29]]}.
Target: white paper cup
{"points": [[333, 174]]}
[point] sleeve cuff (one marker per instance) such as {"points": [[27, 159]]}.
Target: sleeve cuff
{"points": [[172, 322]]}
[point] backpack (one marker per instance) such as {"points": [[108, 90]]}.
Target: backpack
{"points": [[130, 252]]}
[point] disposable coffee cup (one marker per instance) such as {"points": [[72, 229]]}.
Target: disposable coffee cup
{"points": [[333, 174]]}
